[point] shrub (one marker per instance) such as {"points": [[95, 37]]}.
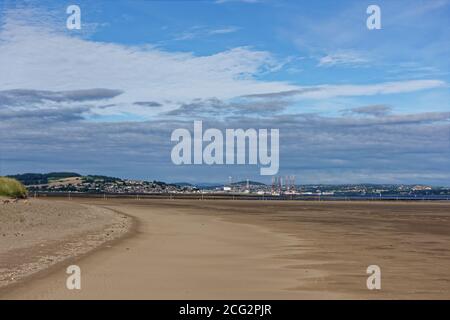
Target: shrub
{"points": [[12, 188]]}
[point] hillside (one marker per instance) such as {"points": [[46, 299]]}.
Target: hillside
{"points": [[42, 178], [74, 182]]}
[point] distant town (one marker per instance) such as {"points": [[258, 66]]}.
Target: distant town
{"points": [[69, 182]]}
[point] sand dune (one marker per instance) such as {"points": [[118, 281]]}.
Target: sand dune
{"points": [[190, 249]]}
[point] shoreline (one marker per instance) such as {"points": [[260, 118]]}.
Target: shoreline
{"points": [[245, 197]]}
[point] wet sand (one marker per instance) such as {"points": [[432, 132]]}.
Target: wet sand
{"points": [[192, 249]]}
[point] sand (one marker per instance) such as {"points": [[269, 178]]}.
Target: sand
{"points": [[38, 234], [211, 249]]}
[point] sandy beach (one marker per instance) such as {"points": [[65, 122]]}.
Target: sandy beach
{"points": [[38, 235], [224, 249]]}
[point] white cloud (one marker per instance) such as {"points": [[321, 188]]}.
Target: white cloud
{"points": [[35, 57], [38, 58], [342, 58]]}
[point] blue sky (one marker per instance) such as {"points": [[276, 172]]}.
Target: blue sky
{"points": [[368, 105]]}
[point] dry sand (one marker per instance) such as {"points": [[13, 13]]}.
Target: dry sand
{"points": [[38, 234], [191, 249]]}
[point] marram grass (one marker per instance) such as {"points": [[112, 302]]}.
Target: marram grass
{"points": [[12, 188]]}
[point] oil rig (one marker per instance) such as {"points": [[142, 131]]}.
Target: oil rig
{"points": [[283, 185]]}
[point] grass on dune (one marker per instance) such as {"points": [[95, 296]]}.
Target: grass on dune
{"points": [[12, 188]]}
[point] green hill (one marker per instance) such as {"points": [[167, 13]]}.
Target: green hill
{"points": [[42, 178]]}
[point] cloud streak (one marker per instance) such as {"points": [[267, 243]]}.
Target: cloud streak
{"points": [[331, 91], [374, 110], [342, 58], [28, 96]]}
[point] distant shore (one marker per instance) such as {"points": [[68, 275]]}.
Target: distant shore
{"points": [[239, 196]]}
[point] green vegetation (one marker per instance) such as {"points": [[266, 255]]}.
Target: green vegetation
{"points": [[97, 178], [42, 178], [12, 188]]}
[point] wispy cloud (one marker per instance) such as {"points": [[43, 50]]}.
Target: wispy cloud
{"points": [[213, 107], [27, 96], [330, 91], [378, 110], [198, 32], [224, 30], [151, 104], [348, 58]]}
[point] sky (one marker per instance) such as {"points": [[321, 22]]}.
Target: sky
{"points": [[352, 105]]}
